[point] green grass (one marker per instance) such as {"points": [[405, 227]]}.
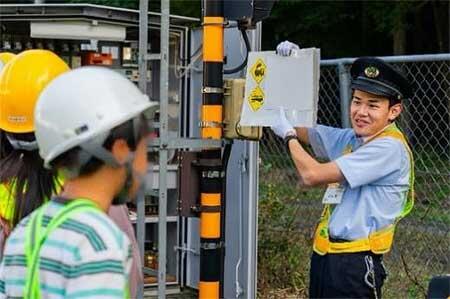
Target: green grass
{"points": [[287, 216]]}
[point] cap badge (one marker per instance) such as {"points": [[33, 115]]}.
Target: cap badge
{"points": [[371, 72]]}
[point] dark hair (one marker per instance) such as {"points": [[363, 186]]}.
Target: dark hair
{"points": [[70, 159], [5, 146], [393, 101], [24, 171]]}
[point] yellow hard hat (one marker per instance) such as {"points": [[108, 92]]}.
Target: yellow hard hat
{"points": [[21, 82], [5, 57]]}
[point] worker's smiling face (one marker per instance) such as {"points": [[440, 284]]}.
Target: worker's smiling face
{"points": [[371, 113]]}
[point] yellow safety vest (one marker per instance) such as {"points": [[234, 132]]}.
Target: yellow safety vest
{"points": [[7, 203], [378, 242]]}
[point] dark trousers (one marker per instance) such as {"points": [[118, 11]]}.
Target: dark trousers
{"points": [[347, 275]]}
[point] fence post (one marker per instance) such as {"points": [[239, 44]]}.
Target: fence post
{"points": [[344, 93]]}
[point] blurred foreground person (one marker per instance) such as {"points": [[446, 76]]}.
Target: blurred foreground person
{"points": [[90, 127]]}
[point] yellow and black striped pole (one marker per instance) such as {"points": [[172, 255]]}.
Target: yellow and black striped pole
{"points": [[211, 181]]}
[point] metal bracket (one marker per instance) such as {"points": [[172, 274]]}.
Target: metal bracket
{"points": [[186, 249], [153, 56], [213, 174], [212, 90], [188, 178], [193, 143], [224, 23], [206, 209], [210, 124], [212, 246]]}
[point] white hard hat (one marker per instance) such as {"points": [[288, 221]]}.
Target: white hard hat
{"points": [[80, 107]]}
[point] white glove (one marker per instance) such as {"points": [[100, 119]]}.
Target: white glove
{"points": [[285, 48], [283, 126]]}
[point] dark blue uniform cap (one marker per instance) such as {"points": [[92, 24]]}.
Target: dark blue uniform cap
{"points": [[375, 76]]}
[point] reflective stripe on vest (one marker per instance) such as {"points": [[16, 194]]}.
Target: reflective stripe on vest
{"points": [[378, 242]]}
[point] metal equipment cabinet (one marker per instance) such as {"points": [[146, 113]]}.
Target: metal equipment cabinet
{"points": [[181, 72]]}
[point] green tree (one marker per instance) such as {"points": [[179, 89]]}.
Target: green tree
{"points": [[355, 28], [340, 28]]}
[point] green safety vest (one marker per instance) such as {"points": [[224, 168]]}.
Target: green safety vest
{"points": [[35, 236]]}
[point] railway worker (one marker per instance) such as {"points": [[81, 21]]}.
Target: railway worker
{"points": [[370, 177]]}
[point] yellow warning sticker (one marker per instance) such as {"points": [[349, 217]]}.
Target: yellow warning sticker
{"points": [[256, 98], [258, 70]]}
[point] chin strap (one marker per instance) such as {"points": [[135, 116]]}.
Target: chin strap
{"points": [[95, 149], [22, 145]]}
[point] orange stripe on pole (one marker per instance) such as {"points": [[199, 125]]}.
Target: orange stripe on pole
{"points": [[208, 290], [212, 113], [210, 199], [210, 225], [213, 39], [214, 133]]}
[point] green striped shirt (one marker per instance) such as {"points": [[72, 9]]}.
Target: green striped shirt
{"points": [[87, 256]]}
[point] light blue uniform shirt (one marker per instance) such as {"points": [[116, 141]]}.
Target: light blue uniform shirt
{"points": [[376, 180]]}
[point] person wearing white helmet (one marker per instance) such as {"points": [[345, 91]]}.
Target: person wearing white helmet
{"points": [[89, 126]]}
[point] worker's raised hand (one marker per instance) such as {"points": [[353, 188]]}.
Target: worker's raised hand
{"points": [[282, 127], [285, 48]]}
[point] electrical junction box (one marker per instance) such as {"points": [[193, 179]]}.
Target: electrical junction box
{"points": [[290, 83], [234, 92], [247, 10]]}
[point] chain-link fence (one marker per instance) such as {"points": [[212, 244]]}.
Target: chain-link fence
{"points": [[289, 212]]}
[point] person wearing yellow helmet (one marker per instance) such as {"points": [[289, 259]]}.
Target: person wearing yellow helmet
{"points": [[5, 147], [24, 182]]}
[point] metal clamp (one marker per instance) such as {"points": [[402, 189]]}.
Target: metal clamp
{"points": [[212, 246], [224, 23], [212, 90], [213, 174], [210, 124], [206, 209]]}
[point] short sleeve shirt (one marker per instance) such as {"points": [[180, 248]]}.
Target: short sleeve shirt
{"points": [[376, 180], [87, 256]]}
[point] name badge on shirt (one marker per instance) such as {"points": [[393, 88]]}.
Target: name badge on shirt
{"points": [[334, 194]]}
